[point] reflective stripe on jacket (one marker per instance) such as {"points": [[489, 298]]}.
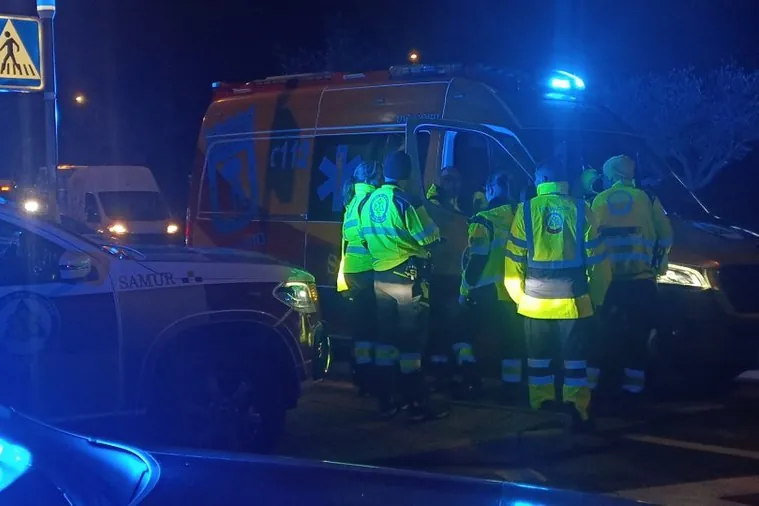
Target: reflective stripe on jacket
{"points": [[635, 229], [395, 226], [355, 254], [488, 233], [556, 265]]}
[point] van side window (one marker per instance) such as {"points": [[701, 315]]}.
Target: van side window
{"points": [[26, 258], [91, 211], [334, 159]]}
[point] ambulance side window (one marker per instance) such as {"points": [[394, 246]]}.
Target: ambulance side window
{"points": [[334, 159], [26, 258], [477, 156]]}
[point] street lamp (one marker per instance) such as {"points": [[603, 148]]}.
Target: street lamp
{"points": [[80, 99], [413, 56]]}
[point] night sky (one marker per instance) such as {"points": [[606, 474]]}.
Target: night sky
{"points": [[147, 67]]}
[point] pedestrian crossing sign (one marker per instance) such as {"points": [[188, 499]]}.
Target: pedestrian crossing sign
{"points": [[20, 55]]}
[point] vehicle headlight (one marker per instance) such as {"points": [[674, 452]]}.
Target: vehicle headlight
{"points": [[685, 276], [118, 229], [172, 228], [15, 460], [32, 206], [299, 295]]}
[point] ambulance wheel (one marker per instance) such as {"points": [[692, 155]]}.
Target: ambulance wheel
{"points": [[206, 400]]}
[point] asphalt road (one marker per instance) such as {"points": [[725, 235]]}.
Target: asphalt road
{"points": [[671, 453], [700, 453]]}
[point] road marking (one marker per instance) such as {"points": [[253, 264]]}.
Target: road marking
{"points": [[699, 447], [703, 493], [690, 408]]}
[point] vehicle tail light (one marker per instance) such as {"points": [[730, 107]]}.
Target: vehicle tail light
{"points": [[187, 228]]}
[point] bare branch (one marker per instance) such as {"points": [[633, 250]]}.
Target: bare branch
{"points": [[704, 121]]}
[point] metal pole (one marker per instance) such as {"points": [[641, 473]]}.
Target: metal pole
{"points": [[46, 11]]}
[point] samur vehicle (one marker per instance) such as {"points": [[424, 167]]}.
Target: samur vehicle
{"points": [[43, 465], [273, 154], [194, 338]]}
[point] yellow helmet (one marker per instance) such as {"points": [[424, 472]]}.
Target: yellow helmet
{"points": [[619, 167]]}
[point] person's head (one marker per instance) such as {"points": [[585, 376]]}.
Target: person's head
{"points": [[368, 172], [348, 191], [619, 168], [450, 181], [497, 186], [591, 181], [550, 171], [397, 167]]}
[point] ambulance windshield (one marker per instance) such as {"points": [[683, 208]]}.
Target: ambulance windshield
{"points": [[593, 148], [134, 205]]}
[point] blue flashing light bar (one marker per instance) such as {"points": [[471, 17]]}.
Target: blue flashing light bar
{"points": [[564, 81], [15, 460]]}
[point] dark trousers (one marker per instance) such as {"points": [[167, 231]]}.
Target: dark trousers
{"points": [[557, 355], [629, 317], [362, 321], [444, 329], [489, 326], [402, 313]]}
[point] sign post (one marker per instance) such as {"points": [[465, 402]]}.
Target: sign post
{"points": [[46, 11]]}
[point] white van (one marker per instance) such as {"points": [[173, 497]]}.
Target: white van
{"points": [[123, 200]]}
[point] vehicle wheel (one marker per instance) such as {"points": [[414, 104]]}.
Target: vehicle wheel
{"points": [[215, 404]]}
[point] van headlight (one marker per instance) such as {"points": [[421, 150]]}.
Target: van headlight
{"points": [[685, 276], [299, 295]]}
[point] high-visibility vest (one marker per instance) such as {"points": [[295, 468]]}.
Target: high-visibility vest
{"points": [[395, 226], [555, 259], [636, 231], [488, 232]]}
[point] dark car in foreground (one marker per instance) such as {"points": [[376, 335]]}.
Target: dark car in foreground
{"points": [[40, 464]]}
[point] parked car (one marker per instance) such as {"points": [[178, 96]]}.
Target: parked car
{"points": [[199, 339]]}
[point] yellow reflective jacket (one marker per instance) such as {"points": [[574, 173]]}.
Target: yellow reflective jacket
{"points": [[635, 229], [354, 255], [488, 232], [556, 266], [395, 226], [434, 196]]}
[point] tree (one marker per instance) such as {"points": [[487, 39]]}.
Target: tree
{"points": [[702, 121], [343, 50]]}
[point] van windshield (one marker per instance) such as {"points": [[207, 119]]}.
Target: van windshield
{"points": [[134, 205], [594, 147]]}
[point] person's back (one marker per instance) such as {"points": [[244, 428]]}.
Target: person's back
{"points": [[633, 224], [392, 228], [638, 236]]}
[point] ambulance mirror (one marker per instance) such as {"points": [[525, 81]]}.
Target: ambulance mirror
{"points": [[74, 266]]}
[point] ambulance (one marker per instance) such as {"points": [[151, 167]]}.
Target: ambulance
{"points": [[273, 154], [123, 201]]}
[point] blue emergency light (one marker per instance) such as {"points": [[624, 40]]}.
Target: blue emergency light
{"points": [[562, 80], [563, 85], [15, 460]]}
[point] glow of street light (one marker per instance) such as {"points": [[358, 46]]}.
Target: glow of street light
{"points": [[413, 56], [80, 98]]}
